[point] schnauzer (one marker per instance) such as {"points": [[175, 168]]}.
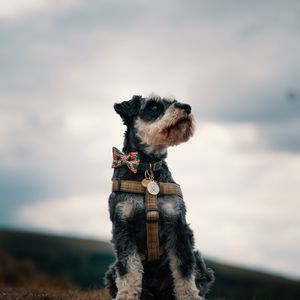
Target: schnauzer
{"points": [[153, 124]]}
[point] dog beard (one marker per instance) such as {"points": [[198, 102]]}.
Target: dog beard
{"points": [[174, 128], [177, 133]]}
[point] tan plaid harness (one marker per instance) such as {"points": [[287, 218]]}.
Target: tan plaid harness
{"points": [[154, 251]]}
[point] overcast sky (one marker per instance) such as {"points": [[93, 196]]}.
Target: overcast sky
{"points": [[62, 66]]}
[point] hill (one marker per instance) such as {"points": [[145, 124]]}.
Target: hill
{"points": [[82, 263]]}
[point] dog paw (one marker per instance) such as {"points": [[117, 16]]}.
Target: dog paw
{"points": [[120, 298], [127, 297], [190, 297]]}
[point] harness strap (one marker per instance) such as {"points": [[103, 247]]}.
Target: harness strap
{"points": [[152, 217], [130, 186], [144, 256], [154, 251]]}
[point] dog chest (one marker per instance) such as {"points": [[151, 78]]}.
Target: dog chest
{"points": [[132, 206]]}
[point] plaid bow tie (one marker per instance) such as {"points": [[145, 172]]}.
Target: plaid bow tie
{"points": [[132, 160]]}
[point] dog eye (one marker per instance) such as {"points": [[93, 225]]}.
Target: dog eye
{"points": [[154, 107]]}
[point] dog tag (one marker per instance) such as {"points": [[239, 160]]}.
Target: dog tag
{"points": [[153, 188], [145, 182]]}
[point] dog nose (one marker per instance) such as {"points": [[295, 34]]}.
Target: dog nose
{"points": [[187, 108]]}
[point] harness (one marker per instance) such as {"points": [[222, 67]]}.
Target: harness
{"points": [[151, 189]]}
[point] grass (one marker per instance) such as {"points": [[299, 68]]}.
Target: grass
{"points": [[13, 293], [23, 293]]}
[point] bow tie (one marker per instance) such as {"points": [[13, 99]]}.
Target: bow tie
{"points": [[132, 160]]}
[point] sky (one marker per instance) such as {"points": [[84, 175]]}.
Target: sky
{"points": [[237, 63]]}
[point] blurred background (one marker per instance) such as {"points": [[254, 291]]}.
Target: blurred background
{"points": [[62, 67]]}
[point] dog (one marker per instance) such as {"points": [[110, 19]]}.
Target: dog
{"points": [[152, 125]]}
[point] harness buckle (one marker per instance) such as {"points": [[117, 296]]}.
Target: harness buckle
{"points": [[152, 215]]}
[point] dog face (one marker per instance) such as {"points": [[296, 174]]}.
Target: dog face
{"points": [[157, 122]]}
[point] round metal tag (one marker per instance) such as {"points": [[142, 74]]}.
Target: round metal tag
{"points": [[153, 188], [145, 182]]}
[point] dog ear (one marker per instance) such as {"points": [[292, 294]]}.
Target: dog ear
{"points": [[128, 109]]}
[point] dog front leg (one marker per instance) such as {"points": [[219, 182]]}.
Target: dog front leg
{"points": [[129, 283], [182, 263], [129, 266]]}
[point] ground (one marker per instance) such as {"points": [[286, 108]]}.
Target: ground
{"points": [[17, 293]]}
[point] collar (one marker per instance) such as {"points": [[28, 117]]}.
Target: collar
{"points": [[143, 166], [133, 162]]}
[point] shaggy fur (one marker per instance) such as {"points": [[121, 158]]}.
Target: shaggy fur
{"points": [[153, 124]]}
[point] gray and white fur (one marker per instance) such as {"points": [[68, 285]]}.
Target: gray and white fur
{"points": [[153, 124]]}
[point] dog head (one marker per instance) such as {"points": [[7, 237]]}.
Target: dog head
{"points": [[156, 123]]}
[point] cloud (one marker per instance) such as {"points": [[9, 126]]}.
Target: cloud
{"points": [[282, 136], [11, 10], [81, 214], [230, 69], [44, 156]]}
